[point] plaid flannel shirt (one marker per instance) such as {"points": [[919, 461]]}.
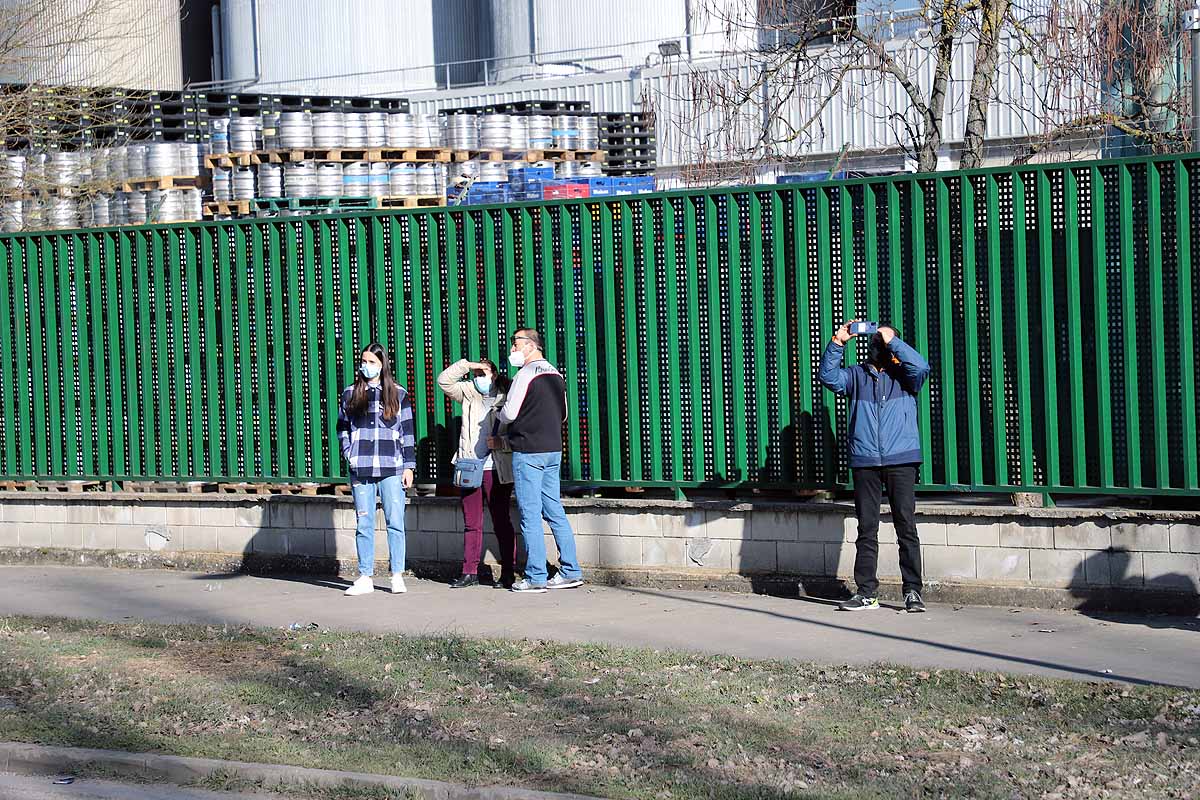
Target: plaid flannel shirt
{"points": [[373, 446]]}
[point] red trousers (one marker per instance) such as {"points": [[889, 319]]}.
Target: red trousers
{"points": [[497, 496]]}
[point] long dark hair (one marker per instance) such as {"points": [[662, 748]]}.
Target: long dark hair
{"points": [[389, 389], [502, 381]]}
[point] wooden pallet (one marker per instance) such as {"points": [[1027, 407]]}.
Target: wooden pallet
{"points": [[227, 208], [164, 182], [529, 155], [170, 487], [229, 160], [419, 201], [53, 486], [345, 154]]}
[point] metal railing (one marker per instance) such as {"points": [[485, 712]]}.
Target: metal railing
{"points": [[1054, 303]]}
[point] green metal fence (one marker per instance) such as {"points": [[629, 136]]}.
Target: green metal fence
{"points": [[1055, 305]]}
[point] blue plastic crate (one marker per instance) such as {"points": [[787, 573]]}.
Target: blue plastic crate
{"points": [[810, 177]]}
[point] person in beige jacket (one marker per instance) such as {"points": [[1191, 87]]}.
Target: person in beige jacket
{"points": [[481, 389]]}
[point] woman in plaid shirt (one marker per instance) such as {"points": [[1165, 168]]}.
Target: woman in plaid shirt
{"points": [[375, 426]]}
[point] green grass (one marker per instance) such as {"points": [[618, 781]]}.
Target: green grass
{"points": [[592, 719]]}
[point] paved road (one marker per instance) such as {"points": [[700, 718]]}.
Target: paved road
{"points": [[41, 787], [1130, 648]]}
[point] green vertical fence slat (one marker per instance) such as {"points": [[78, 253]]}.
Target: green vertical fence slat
{"points": [[895, 264], [437, 303], [8, 357], [145, 357], [175, 390], [1024, 352], [51, 305], [1162, 443], [417, 351], [946, 343], [871, 251], [671, 323], [262, 364], [130, 307], [1075, 324], [229, 373], [591, 314], [99, 338], [633, 387], [760, 454], [323, 450], [921, 334], [786, 393], [26, 384], [970, 340], [454, 295], [1186, 271], [1101, 329], [294, 347], [735, 349], [717, 347], [652, 366], [211, 382], [64, 386], [193, 309], [1133, 412], [164, 356], [276, 380], [996, 332], [694, 304], [546, 301], [826, 315], [610, 304], [82, 316], [806, 377], [116, 365], [1046, 270], [574, 457]]}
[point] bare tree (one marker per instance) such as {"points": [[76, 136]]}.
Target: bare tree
{"points": [[824, 73]]}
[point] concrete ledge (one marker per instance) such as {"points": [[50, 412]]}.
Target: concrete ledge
{"points": [[33, 759]]}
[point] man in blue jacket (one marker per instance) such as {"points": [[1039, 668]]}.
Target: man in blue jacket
{"points": [[885, 451]]}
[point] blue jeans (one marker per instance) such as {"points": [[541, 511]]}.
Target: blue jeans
{"points": [[391, 493], [536, 479]]}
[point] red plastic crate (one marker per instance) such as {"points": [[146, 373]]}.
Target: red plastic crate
{"points": [[567, 191]]}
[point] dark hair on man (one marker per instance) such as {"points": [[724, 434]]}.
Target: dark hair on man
{"points": [[533, 335]]}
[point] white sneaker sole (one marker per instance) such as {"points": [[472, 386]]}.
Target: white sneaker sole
{"points": [[566, 585], [354, 591], [539, 590], [401, 590]]}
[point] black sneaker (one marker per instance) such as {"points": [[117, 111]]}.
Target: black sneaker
{"points": [[859, 602], [463, 581], [507, 579], [913, 603]]}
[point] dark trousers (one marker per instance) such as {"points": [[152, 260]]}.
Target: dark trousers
{"points": [[869, 484], [496, 496]]}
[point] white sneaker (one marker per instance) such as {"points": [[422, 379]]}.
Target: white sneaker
{"points": [[398, 586], [365, 584]]}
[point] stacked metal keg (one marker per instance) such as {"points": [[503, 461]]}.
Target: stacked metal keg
{"points": [[222, 184], [329, 130], [356, 177], [462, 132], [300, 179], [494, 132], [295, 130], [243, 184], [541, 132], [136, 161], [378, 180], [431, 179], [402, 180], [218, 135], [375, 123], [270, 180], [329, 179], [356, 130], [162, 158], [244, 134], [566, 132]]}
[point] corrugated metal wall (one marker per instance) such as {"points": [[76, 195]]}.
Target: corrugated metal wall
{"points": [[133, 43]]}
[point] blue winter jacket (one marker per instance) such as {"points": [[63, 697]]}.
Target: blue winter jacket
{"points": [[883, 404]]}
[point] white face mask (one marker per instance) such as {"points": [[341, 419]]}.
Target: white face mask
{"points": [[516, 358], [483, 384], [370, 371]]}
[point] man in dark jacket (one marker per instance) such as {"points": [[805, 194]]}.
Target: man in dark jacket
{"points": [[885, 452]]}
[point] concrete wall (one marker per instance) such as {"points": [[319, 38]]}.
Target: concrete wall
{"points": [[1079, 552]]}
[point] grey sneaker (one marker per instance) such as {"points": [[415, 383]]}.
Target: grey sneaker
{"points": [[860, 602], [913, 603], [524, 585], [559, 581]]}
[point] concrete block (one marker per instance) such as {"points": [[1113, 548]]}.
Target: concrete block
{"points": [[10, 534], [776, 526], [320, 516], [1185, 538], [130, 538], [801, 558], [80, 513], [887, 531], [726, 525], [66, 535], [100, 537], [305, 542], [587, 550], [589, 523], [641, 525], [36, 534], [973, 534], [821, 528], [20, 511], [440, 518], [1172, 571], [1020, 534], [450, 546], [419, 545], [212, 515], [839, 560], [1057, 568], [948, 562], [235, 540], [283, 515], [200, 540], [114, 514], [340, 545], [754, 558], [660, 552], [249, 516], [934, 530], [181, 515], [50, 512], [619, 551], [1003, 564], [1082, 536], [149, 514], [269, 541], [1131, 536], [1119, 568], [709, 553]]}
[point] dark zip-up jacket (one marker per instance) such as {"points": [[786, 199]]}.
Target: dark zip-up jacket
{"points": [[883, 404], [535, 409]]}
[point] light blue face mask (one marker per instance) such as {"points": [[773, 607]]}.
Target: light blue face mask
{"points": [[484, 385], [370, 371]]}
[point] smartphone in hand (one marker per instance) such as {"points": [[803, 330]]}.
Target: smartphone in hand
{"points": [[863, 328]]}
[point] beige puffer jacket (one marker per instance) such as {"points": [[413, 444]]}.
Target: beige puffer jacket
{"points": [[479, 414]]}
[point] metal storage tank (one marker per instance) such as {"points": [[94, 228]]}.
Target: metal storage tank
{"points": [[350, 47], [132, 43]]}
